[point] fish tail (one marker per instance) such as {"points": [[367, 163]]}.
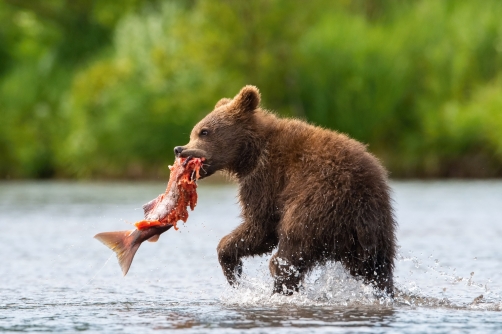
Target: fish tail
{"points": [[122, 243]]}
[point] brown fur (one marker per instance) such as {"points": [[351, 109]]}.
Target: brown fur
{"points": [[316, 194]]}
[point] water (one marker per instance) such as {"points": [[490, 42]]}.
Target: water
{"points": [[55, 277]]}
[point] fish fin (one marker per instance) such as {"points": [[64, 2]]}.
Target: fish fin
{"points": [[155, 238], [121, 242]]}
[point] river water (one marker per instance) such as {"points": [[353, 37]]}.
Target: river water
{"points": [[55, 277]]}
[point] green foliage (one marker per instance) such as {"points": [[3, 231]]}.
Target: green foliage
{"points": [[107, 89], [126, 113]]}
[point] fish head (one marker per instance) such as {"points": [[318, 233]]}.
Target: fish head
{"points": [[225, 137]]}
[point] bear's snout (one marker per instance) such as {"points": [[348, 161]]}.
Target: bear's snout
{"points": [[178, 150]]}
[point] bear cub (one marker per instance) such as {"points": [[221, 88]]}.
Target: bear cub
{"points": [[315, 194]]}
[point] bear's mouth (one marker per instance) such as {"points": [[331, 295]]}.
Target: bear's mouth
{"points": [[185, 163], [208, 168], [193, 153], [202, 172]]}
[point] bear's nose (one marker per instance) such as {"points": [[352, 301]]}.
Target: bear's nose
{"points": [[178, 150]]}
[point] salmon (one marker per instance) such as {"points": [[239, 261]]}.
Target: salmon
{"points": [[160, 214]]}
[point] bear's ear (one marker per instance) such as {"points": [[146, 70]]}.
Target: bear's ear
{"points": [[248, 99], [222, 102]]}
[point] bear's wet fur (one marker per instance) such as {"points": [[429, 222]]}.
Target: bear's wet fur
{"points": [[315, 194]]}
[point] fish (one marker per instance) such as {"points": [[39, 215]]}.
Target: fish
{"points": [[160, 214]]}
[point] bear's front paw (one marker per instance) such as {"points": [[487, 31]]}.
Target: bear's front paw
{"points": [[233, 272]]}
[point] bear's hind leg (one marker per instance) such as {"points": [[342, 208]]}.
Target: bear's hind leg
{"points": [[378, 271], [296, 253], [287, 274]]}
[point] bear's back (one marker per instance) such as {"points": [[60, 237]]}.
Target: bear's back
{"points": [[309, 154]]}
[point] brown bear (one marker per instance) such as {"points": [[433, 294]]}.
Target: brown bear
{"points": [[315, 194]]}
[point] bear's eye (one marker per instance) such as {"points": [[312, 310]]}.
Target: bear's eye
{"points": [[203, 132]]}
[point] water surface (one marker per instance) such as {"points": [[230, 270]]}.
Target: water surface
{"points": [[56, 277]]}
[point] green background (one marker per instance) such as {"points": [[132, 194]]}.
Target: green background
{"points": [[106, 89]]}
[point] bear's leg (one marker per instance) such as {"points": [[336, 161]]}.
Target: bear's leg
{"points": [[378, 271], [294, 257], [372, 264], [288, 272], [245, 240]]}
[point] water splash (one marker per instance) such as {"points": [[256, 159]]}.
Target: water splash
{"points": [[329, 285], [332, 285], [458, 292]]}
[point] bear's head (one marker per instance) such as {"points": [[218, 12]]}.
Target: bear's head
{"points": [[227, 137]]}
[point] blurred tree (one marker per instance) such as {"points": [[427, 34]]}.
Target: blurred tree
{"points": [[106, 88], [41, 45]]}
